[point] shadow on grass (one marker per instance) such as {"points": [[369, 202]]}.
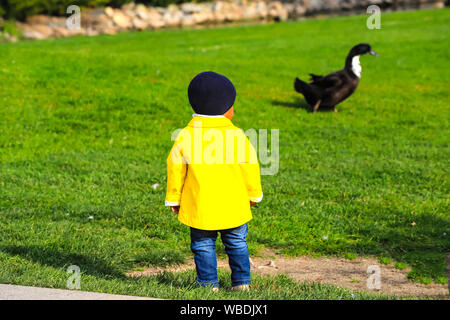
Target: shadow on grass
{"points": [[59, 259], [300, 104], [297, 103], [186, 279], [183, 279], [422, 246]]}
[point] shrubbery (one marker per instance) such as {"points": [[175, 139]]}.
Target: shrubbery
{"points": [[20, 9]]}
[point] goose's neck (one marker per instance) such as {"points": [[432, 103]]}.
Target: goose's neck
{"points": [[352, 64]]}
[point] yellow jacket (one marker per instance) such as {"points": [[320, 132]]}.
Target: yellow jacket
{"points": [[213, 174]]}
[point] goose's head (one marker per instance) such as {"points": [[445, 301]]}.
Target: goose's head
{"points": [[352, 63], [362, 48]]}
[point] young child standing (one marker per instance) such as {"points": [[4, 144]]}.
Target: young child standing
{"points": [[213, 180]]}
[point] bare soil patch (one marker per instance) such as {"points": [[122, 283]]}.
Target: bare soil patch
{"points": [[341, 272]]}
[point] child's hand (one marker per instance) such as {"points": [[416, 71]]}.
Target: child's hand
{"points": [[175, 209], [252, 203]]}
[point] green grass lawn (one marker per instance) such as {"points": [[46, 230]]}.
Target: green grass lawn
{"points": [[85, 126]]}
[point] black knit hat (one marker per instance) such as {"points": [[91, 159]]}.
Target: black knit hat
{"points": [[211, 93]]}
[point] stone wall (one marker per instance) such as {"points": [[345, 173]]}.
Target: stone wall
{"points": [[139, 17]]}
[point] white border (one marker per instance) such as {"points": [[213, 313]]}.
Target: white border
{"points": [[256, 200], [171, 204], [207, 116]]}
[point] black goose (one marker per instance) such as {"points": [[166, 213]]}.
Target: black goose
{"points": [[328, 91]]}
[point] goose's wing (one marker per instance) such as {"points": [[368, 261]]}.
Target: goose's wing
{"points": [[330, 81], [314, 78]]}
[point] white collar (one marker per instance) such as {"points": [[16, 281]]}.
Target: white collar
{"points": [[207, 116], [356, 66]]}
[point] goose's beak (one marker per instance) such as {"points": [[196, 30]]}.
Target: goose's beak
{"points": [[373, 53]]}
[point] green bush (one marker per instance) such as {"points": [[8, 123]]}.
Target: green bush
{"points": [[20, 9], [165, 3]]}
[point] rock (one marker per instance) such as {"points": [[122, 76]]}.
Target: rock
{"points": [[141, 12], [238, 13], [109, 12], [174, 17], [92, 20], [250, 12], [290, 8], [57, 22], [121, 19], [206, 15], [107, 30], [139, 24], [162, 11], [154, 14], [187, 20], [32, 35], [276, 10], [299, 10], [129, 6], [9, 37], [46, 31], [157, 24], [439, 4], [230, 11], [318, 5], [61, 32], [261, 7], [334, 5], [91, 32], [218, 15], [39, 19], [129, 13], [103, 20], [65, 32], [191, 7], [155, 19], [172, 9]]}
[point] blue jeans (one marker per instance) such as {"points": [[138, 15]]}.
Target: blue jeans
{"points": [[203, 245]]}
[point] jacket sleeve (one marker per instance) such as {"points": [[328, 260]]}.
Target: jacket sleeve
{"points": [[176, 174], [251, 173]]}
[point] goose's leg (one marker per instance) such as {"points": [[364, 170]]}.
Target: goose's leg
{"points": [[317, 105], [335, 110]]}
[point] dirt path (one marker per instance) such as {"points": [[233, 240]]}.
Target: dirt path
{"points": [[342, 272]]}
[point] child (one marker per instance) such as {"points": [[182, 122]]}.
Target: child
{"points": [[212, 182]]}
